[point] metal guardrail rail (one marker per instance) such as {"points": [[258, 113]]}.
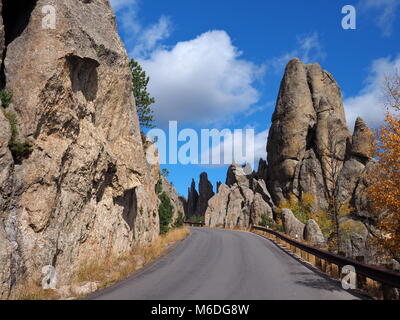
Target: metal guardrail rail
{"points": [[382, 275]]}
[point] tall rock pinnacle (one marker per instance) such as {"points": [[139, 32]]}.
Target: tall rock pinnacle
{"points": [[205, 193], [308, 128], [193, 198]]}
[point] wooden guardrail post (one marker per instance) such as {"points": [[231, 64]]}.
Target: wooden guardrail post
{"points": [[335, 271], [323, 266], [312, 259]]}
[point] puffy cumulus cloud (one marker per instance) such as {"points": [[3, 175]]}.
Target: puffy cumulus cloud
{"points": [[308, 50], [386, 12], [201, 81], [369, 103], [140, 40], [151, 37], [238, 146]]}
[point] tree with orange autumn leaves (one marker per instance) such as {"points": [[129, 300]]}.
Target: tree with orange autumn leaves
{"points": [[384, 192]]}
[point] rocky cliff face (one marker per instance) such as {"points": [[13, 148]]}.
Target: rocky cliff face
{"points": [[178, 202], [84, 191]]}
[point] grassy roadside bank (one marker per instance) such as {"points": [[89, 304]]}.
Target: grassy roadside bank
{"points": [[95, 275]]}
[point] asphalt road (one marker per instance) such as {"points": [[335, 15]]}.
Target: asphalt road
{"points": [[213, 264]]}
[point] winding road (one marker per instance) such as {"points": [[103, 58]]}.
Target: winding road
{"points": [[214, 264]]}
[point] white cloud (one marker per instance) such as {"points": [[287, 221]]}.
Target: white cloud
{"points": [[201, 81], [368, 104], [386, 13], [308, 50], [260, 146], [151, 37], [141, 40], [239, 150]]}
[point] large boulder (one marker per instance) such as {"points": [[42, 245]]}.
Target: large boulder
{"points": [[292, 226], [353, 237], [313, 234]]}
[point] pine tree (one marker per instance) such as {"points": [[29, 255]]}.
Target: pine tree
{"points": [[142, 97]]}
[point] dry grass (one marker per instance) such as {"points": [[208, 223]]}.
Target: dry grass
{"points": [[111, 270], [32, 290]]}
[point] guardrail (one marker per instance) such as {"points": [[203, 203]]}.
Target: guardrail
{"points": [[325, 260], [194, 224]]}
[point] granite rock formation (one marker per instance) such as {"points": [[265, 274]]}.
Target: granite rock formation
{"points": [[197, 202], [308, 129], [310, 151], [205, 193], [292, 226], [178, 202], [313, 234], [192, 200], [85, 190], [241, 202]]}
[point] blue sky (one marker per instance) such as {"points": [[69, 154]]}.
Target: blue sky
{"points": [[218, 64]]}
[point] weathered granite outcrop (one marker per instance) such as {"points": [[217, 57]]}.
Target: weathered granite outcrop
{"points": [[357, 230], [356, 162], [86, 190], [178, 202], [313, 234], [353, 240], [241, 202], [308, 129], [198, 201], [205, 193], [292, 226], [192, 200]]}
